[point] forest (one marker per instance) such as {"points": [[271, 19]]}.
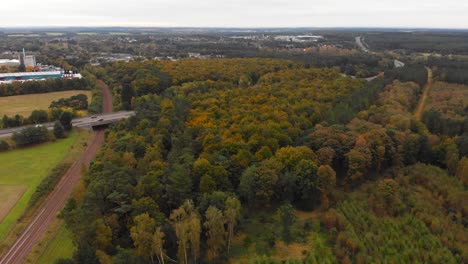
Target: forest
{"points": [[443, 42], [261, 160]]}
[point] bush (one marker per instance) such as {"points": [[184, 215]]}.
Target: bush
{"points": [[31, 135], [77, 102], [4, 146], [49, 182]]}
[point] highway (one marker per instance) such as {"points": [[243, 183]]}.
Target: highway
{"points": [[360, 43], [83, 122]]}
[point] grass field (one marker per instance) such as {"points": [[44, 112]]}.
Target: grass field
{"points": [[25, 104], [27, 167], [55, 244]]}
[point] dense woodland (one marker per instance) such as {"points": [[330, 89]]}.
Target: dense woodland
{"points": [[243, 159], [424, 42]]}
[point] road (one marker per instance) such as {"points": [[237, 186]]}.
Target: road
{"points": [[425, 94], [84, 122], [57, 198], [360, 43]]}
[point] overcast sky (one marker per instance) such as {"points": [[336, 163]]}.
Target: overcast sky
{"points": [[236, 13]]}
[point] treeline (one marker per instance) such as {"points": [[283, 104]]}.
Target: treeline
{"points": [[439, 124], [34, 135], [45, 86], [449, 70], [38, 117], [64, 106], [424, 42], [76, 102], [409, 73], [356, 64]]}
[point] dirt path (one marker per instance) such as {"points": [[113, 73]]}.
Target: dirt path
{"points": [[425, 94], [58, 197]]}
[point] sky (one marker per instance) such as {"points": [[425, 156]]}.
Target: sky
{"points": [[238, 13]]}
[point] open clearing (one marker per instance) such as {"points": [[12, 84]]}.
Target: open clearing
{"points": [[25, 104], [27, 167]]}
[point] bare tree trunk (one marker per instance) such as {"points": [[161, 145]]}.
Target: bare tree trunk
{"points": [[162, 257], [229, 237]]}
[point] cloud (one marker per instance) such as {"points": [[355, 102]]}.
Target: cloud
{"points": [[240, 13]]}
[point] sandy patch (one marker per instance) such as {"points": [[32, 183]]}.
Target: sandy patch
{"points": [[9, 196]]}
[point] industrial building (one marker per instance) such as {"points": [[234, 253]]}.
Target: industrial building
{"points": [[31, 76], [29, 60], [9, 63]]}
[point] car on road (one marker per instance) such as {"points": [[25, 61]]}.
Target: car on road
{"points": [[93, 116], [101, 119]]}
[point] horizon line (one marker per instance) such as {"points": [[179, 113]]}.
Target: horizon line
{"points": [[229, 27]]}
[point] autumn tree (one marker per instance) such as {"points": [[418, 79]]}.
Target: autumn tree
{"points": [[232, 213], [462, 170], [215, 232], [186, 223], [103, 235], [158, 245], [142, 235]]}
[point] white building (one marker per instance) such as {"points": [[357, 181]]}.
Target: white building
{"points": [[9, 63], [30, 61]]}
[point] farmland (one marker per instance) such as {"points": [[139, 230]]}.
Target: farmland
{"points": [[25, 104]]}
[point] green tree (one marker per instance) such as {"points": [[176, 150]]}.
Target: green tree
{"points": [[258, 183], [66, 119], [126, 96], [31, 136], [326, 183], [59, 131], [287, 219], [207, 184], [38, 117]]}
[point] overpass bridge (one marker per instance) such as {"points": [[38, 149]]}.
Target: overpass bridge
{"points": [[89, 122]]}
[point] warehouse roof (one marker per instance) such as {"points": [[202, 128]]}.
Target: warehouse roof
{"points": [[23, 74]]}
